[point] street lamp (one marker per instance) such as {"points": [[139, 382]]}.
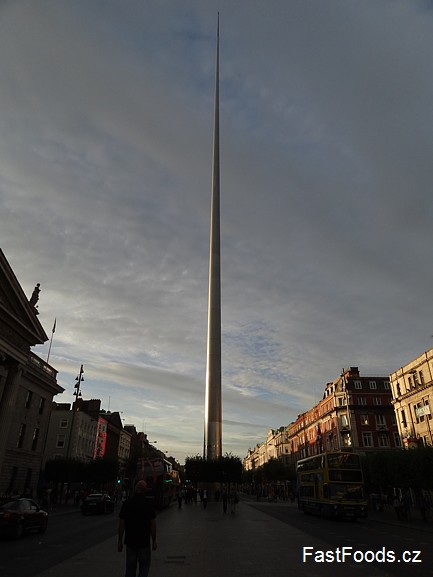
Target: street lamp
{"points": [[77, 394], [79, 380]]}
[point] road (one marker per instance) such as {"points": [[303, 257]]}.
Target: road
{"points": [[388, 541], [200, 542], [66, 535]]}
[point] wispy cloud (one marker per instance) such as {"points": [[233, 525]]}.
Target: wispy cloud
{"points": [[105, 173]]}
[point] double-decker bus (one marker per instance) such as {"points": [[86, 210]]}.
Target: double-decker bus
{"points": [[162, 481], [331, 485]]}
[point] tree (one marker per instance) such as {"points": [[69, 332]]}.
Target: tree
{"points": [[403, 468], [96, 472], [227, 469], [64, 470]]}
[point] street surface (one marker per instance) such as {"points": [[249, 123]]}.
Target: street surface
{"points": [[363, 535], [66, 535], [260, 540]]}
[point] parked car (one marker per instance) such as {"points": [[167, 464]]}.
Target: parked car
{"points": [[97, 503], [18, 516]]}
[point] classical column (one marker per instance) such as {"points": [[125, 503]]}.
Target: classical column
{"points": [[7, 406], [213, 407]]}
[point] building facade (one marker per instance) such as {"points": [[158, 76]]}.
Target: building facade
{"points": [[355, 414], [71, 435], [276, 446], [27, 387], [412, 391]]}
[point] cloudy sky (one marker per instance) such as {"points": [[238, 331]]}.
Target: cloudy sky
{"points": [[326, 198]]}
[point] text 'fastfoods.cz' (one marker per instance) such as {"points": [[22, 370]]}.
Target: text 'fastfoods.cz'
{"points": [[349, 554]]}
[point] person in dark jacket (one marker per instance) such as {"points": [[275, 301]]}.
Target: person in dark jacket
{"points": [[137, 527]]}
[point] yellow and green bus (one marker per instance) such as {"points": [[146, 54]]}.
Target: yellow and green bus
{"points": [[331, 485]]}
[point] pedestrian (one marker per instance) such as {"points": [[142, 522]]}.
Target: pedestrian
{"points": [[234, 500], [396, 503], [137, 522], [204, 498], [423, 505], [225, 500], [180, 496]]}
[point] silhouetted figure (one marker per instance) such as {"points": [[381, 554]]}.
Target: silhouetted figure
{"points": [[225, 500], [35, 295], [137, 521]]}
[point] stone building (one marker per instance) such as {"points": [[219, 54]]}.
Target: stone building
{"points": [[355, 414], [27, 387], [72, 434], [412, 391], [276, 446]]}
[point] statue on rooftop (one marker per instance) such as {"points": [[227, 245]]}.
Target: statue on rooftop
{"points": [[35, 296]]}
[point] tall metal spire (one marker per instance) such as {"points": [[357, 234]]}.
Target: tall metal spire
{"points": [[213, 407]]}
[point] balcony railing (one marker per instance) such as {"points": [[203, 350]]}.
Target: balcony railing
{"points": [[42, 365]]}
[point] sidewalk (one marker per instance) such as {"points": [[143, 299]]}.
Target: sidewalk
{"points": [[389, 516], [197, 542]]}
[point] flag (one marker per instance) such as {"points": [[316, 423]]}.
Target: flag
{"points": [[54, 326]]}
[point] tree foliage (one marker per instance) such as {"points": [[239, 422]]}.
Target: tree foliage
{"points": [[271, 472], [226, 469], [404, 468], [73, 471]]}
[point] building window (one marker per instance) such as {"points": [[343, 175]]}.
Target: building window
{"points": [[421, 377], [364, 419], [397, 440], [398, 389], [372, 385], [28, 479], [11, 486], [35, 439], [64, 423], [377, 401], [367, 439], [362, 401], [41, 405], [383, 440], [386, 385], [344, 421], [419, 413], [347, 441], [60, 441], [21, 436], [380, 420], [403, 418], [29, 399], [358, 384]]}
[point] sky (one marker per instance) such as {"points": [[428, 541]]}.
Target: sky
{"points": [[326, 116]]}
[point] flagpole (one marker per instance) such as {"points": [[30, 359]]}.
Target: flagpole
{"points": [[51, 340]]}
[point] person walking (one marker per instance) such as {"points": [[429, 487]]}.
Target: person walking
{"points": [[225, 500], [234, 500], [180, 497], [137, 524]]}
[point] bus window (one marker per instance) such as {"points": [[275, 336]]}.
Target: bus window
{"points": [[307, 491], [341, 491]]}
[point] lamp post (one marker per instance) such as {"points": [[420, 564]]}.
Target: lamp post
{"points": [[79, 380], [77, 394]]}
